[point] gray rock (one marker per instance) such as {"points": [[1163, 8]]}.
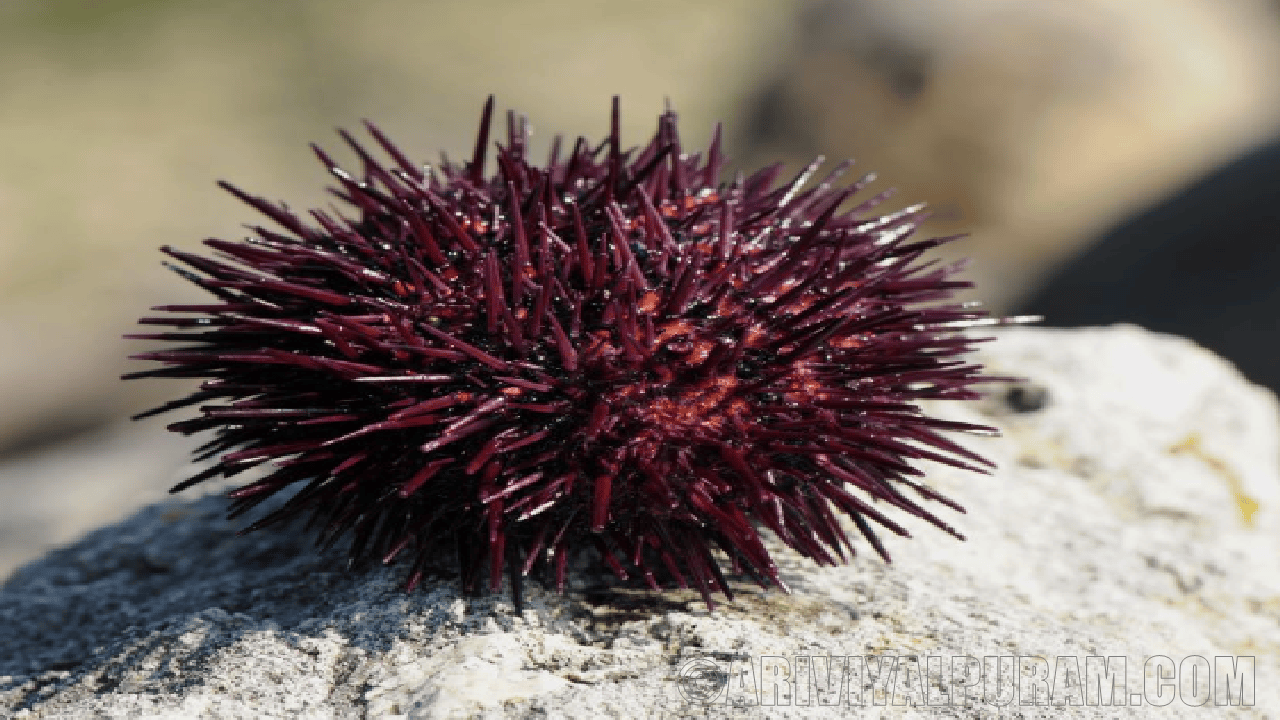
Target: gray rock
{"points": [[51, 498], [1135, 514]]}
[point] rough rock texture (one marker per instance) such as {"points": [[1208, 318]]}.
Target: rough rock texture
{"points": [[1135, 514]]}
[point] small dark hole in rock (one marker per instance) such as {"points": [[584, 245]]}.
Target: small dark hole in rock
{"points": [[1027, 398]]}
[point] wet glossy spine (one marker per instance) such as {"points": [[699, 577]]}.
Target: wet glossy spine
{"points": [[617, 352]]}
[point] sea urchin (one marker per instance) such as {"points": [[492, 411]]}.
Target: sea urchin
{"points": [[616, 352]]}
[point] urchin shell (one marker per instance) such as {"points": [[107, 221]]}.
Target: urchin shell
{"points": [[617, 352]]}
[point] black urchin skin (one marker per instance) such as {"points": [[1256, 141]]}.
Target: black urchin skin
{"points": [[617, 352]]}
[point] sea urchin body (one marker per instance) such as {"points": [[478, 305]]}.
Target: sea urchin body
{"points": [[617, 352]]}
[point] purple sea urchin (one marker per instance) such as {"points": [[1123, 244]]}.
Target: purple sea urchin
{"points": [[617, 352]]}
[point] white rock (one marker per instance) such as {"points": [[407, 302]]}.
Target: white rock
{"points": [[1137, 515]]}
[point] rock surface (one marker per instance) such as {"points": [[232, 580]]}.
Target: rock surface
{"points": [[51, 498], [1136, 513]]}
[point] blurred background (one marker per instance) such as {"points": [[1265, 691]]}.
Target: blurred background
{"points": [[1050, 130]]}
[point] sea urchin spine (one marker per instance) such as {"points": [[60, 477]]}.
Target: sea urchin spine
{"points": [[617, 352]]}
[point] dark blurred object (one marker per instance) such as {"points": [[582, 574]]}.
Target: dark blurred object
{"points": [[1027, 398], [1029, 125], [1204, 264]]}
